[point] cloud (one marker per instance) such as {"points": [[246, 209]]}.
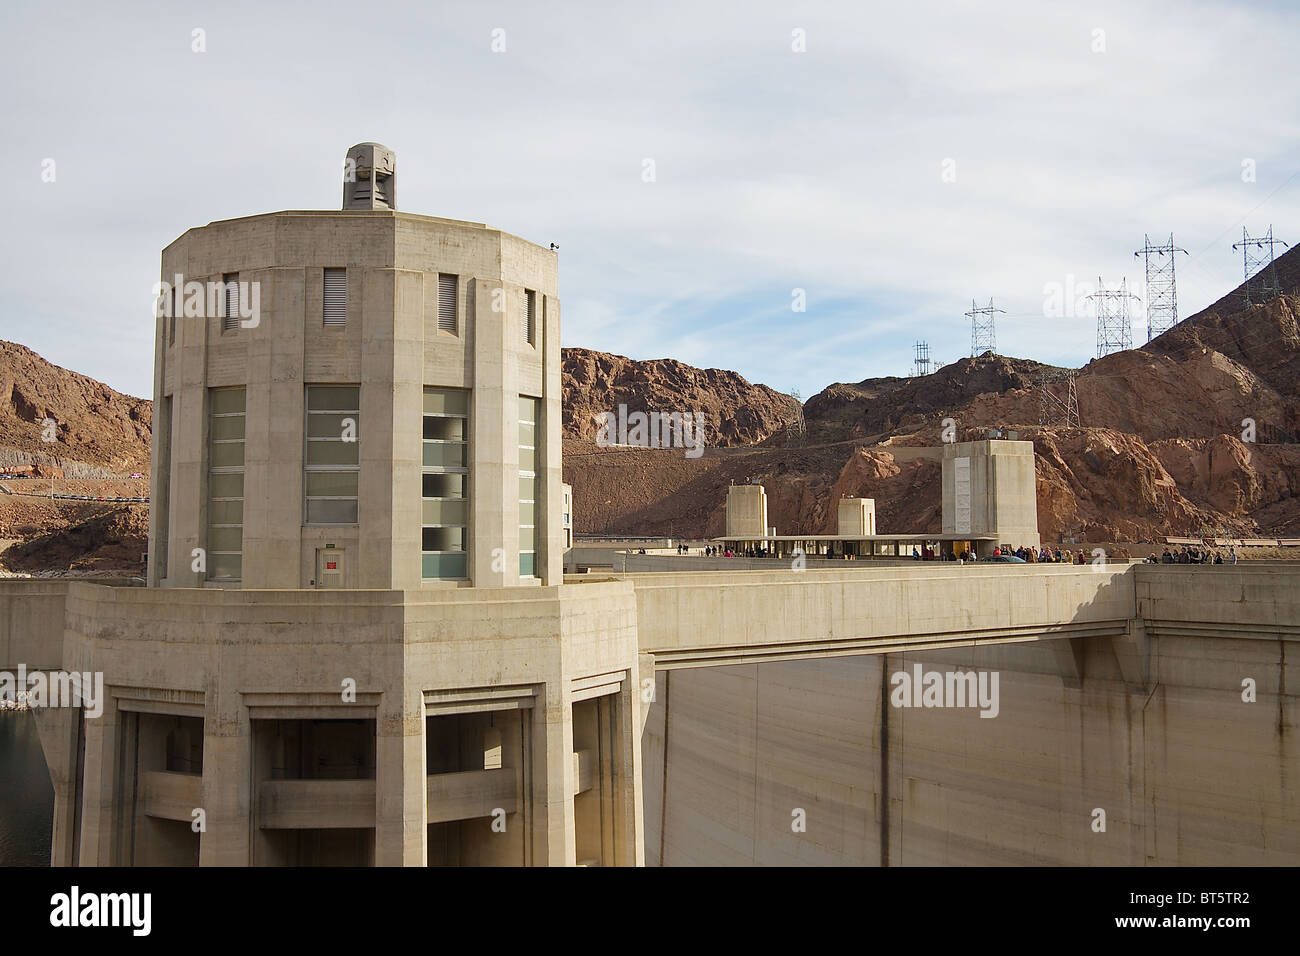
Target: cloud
{"points": [[775, 170]]}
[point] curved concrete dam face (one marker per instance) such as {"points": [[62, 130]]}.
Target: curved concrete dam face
{"points": [[1161, 749]]}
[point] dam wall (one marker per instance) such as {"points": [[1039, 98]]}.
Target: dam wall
{"points": [[1179, 736]]}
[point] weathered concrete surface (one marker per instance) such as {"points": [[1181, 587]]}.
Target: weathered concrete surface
{"points": [[31, 624], [691, 620], [234, 661], [1150, 727], [1120, 689]]}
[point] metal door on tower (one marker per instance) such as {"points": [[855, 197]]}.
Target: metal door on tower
{"points": [[329, 568]]}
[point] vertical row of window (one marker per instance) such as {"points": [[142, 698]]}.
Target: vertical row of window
{"points": [[163, 440], [445, 484], [528, 485], [226, 484], [332, 457]]}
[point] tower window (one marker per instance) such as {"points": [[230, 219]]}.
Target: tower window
{"points": [[176, 311], [448, 286], [530, 316], [335, 304], [445, 484], [332, 462], [225, 484], [528, 498], [230, 301]]}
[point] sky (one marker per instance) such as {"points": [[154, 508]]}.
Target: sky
{"points": [[705, 167]]}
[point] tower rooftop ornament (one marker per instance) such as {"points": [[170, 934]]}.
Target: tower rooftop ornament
{"points": [[370, 177]]}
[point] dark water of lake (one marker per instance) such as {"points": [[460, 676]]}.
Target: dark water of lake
{"points": [[26, 795]]}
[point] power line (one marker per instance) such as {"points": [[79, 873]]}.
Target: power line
{"points": [[1162, 297], [921, 360], [983, 337], [1261, 282], [1053, 409], [1114, 327]]}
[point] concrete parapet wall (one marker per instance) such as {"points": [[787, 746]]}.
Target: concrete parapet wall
{"points": [[31, 624], [720, 617]]}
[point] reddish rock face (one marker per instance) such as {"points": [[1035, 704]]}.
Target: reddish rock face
{"points": [[738, 413], [1161, 453], [99, 430]]}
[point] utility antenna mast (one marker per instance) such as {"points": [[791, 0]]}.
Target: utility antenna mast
{"points": [[1114, 327], [921, 359], [1257, 262], [1162, 297], [983, 338]]}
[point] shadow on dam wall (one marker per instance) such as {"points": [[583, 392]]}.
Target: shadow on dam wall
{"points": [[26, 795], [817, 762]]}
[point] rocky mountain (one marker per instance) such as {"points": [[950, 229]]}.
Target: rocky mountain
{"points": [[1194, 431], [737, 413], [98, 432], [878, 407], [100, 438]]}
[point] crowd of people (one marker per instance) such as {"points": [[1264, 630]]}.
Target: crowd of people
{"points": [[1044, 555], [717, 551], [1193, 555], [1031, 556]]}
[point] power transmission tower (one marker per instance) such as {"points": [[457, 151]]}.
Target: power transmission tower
{"points": [[982, 335], [1261, 277], [1162, 298], [1114, 327], [794, 429], [1053, 409], [921, 359]]}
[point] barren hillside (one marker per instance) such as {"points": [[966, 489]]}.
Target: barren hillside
{"points": [[98, 431], [100, 438], [1161, 449], [738, 413]]}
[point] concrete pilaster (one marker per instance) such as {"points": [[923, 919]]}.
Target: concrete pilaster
{"points": [[401, 787], [376, 514], [227, 777], [494, 417], [405, 426], [554, 828], [550, 532], [57, 727], [99, 789], [629, 820]]}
